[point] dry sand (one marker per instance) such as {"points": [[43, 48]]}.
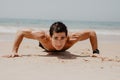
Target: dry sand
{"points": [[74, 64]]}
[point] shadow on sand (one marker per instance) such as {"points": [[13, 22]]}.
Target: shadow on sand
{"points": [[60, 55]]}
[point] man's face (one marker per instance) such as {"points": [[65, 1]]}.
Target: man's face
{"points": [[59, 40]]}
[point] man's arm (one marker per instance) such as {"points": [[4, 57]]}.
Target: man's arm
{"points": [[91, 35], [25, 33]]}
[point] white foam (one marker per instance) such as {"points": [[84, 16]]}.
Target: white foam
{"points": [[14, 29], [108, 32], [100, 31], [9, 29]]}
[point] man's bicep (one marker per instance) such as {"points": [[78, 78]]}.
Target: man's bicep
{"points": [[27, 33], [83, 35], [38, 35], [32, 34]]}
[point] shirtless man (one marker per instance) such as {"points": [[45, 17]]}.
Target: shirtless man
{"points": [[58, 39]]}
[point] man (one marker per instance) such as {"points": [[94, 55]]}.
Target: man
{"points": [[58, 39]]}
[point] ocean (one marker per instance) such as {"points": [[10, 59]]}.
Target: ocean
{"points": [[101, 27]]}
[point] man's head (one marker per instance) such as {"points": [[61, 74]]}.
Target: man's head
{"points": [[58, 32]]}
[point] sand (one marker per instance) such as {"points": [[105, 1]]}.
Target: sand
{"points": [[74, 64]]}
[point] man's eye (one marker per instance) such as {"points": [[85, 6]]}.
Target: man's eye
{"points": [[62, 38], [56, 38]]}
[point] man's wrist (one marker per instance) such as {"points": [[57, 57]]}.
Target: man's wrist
{"points": [[96, 51]]}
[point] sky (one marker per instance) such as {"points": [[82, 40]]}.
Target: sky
{"points": [[84, 10]]}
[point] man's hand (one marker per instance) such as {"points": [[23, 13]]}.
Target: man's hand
{"points": [[12, 56], [15, 55], [96, 55]]}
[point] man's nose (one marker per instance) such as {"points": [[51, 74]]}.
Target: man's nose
{"points": [[59, 43]]}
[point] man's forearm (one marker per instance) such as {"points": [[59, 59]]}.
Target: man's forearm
{"points": [[18, 40]]}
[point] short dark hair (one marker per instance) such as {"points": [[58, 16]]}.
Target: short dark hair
{"points": [[58, 27]]}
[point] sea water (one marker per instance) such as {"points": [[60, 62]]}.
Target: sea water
{"points": [[101, 27]]}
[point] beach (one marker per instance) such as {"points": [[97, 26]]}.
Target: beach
{"points": [[75, 63]]}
